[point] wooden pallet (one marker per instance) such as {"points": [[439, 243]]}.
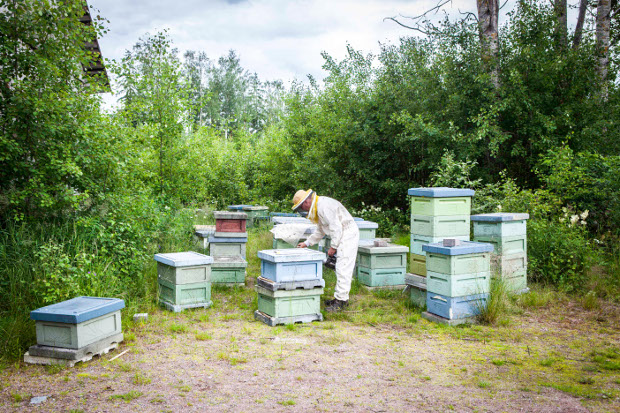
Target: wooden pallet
{"points": [[64, 362]]}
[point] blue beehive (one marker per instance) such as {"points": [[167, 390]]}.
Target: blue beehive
{"points": [[291, 264], [454, 308], [78, 322]]}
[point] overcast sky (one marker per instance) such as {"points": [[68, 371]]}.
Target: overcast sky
{"points": [[278, 39]]}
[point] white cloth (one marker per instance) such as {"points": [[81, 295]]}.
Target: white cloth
{"points": [[336, 222]]}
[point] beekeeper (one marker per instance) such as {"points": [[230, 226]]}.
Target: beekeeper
{"points": [[332, 219]]}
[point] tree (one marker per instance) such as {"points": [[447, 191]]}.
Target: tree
{"points": [[488, 20], [603, 15]]}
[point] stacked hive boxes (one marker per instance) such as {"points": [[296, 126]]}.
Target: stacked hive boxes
{"points": [[75, 330], [256, 213], [227, 246], [381, 266], [184, 280], [437, 213], [507, 232], [290, 286], [457, 278]]}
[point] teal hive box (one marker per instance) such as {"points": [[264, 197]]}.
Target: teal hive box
{"points": [[505, 245], [184, 267], [454, 308], [458, 285], [255, 213], [419, 241], [228, 270], [180, 296], [500, 224], [391, 256], [440, 201], [227, 247], [505, 265], [440, 226], [382, 277], [367, 229], [458, 264], [78, 322], [291, 264], [289, 303]]}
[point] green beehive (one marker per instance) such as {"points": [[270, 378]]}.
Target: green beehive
{"points": [[500, 224], [177, 297], [440, 225], [183, 267], [289, 303], [228, 270], [256, 213], [458, 285], [417, 264], [381, 277], [440, 201], [223, 249], [458, 264], [505, 245], [374, 257], [367, 229]]}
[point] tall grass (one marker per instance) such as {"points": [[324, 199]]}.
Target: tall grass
{"points": [[497, 303]]}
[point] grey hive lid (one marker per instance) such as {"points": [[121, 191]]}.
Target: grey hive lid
{"points": [[230, 215], [77, 310], [465, 247], [229, 262], [255, 208], [290, 220], [204, 230], [390, 249], [358, 219], [440, 192], [230, 235], [501, 217], [291, 255], [237, 207], [183, 259], [235, 240], [367, 225], [284, 214]]}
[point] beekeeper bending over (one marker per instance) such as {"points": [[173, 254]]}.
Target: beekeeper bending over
{"points": [[332, 219]]}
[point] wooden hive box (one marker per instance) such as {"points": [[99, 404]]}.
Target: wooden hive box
{"points": [[227, 247], [390, 256], [458, 285], [292, 264], [367, 229], [417, 264], [440, 201], [228, 270], [78, 322], [381, 277], [505, 245], [500, 224], [230, 221], [453, 308], [289, 303], [440, 225], [184, 267], [177, 297]]}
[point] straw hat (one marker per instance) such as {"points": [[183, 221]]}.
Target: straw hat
{"points": [[300, 197]]}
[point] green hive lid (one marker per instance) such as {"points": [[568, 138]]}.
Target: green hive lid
{"points": [[291, 255], [77, 310], [390, 249], [183, 259], [464, 247], [440, 192], [501, 217], [367, 225], [230, 215], [229, 262], [255, 208]]}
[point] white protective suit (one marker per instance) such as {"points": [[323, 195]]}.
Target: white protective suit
{"points": [[337, 223]]}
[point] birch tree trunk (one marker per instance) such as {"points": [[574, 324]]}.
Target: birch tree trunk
{"points": [[581, 17], [561, 22], [488, 16], [603, 11]]}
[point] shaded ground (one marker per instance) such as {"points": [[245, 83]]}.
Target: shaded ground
{"points": [[547, 355]]}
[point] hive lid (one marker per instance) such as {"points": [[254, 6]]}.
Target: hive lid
{"points": [[389, 249], [284, 214], [220, 234], [236, 240], [183, 259], [291, 255], [358, 219], [255, 208], [204, 230], [290, 220], [440, 192], [229, 262], [230, 215], [77, 310], [501, 217], [367, 225], [465, 247], [237, 207]]}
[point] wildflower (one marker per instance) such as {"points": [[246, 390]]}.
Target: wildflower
{"points": [[584, 214], [574, 219], [499, 208]]}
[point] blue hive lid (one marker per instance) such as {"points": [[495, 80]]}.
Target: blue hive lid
{"points": [[367, 225], [465, 247], [358, 219], [501, 217], [440, 192], [214, 239], [291, 255], [77, 310], [183, 259]]}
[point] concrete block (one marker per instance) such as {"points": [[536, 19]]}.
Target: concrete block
{"points": [[458, 264], [455, 307], [91, 349], [417, 264], [291, 265], [184, 294], [441, 225], [381, 277], [459, 285], [274, 321], [289, 303], [417, 242], [505, 245], [184, 275], [78, 335]]}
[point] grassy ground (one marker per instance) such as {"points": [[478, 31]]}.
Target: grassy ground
{"points": [[546, 352]]}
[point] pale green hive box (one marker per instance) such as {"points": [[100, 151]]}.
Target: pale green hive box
{"points": [[500, 224], [228, 270], [458, 264], [390, 256], [289, 303], [76, 323], [184, 267], [227, 249], [182, 296], [505, 245], [516, 281], [417, 265], [367, 229], [458, 285], [505, 265], [440, 201], [440, 225], [381, 277]]}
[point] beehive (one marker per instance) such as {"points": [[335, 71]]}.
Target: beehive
{"points": [[230, 221], [367, 229], [292, 264], [227, 246], [289, 303], [178, 297], [453, 308], [440, 201], [417, 289], [228, 270], [184, 267], [256, 213]]}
